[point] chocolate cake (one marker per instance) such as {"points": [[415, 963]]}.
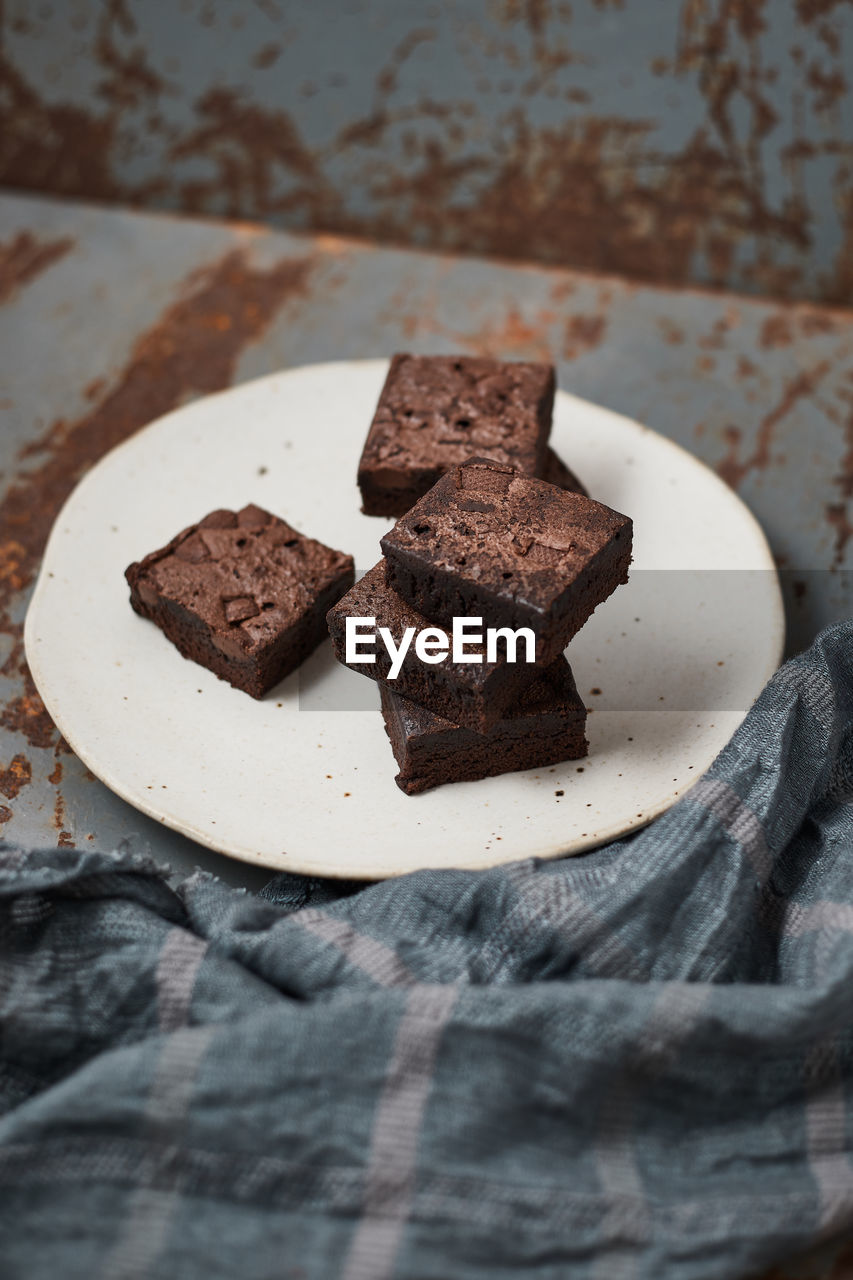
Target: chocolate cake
{"points": [[489, 542], [242, 593], [436, 411], [545, 726], [471, 694]]}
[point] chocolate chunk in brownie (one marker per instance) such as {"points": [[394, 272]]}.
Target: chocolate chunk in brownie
{"points": [[436, 411], [473, 694], [545, 726], [518, 552], [241, 593]]}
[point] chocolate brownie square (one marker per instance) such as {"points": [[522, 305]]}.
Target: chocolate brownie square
{"points": [[518, 552], [545, 726], [436, 411], [472, 694], [242, 593]]}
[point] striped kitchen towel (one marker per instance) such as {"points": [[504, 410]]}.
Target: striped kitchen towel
{"points": [[633, 1063]]}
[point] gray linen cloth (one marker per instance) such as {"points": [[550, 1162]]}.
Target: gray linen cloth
{"points": [[634, 1063]]}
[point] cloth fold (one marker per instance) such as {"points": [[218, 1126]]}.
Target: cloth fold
{"points": [[633, 1063]]}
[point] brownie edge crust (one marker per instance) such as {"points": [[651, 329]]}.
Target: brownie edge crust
{"points": [[242, 593]]}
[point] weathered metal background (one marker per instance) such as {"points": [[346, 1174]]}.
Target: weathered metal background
{"points": [[678, 141], [110, 319]]}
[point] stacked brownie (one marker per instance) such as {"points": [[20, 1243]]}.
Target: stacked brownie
{"points": [[493, 525], [487, 542], [436, 411]]}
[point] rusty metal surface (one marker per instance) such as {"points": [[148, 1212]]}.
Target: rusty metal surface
{"points": [[701, 141], [110, 318]]}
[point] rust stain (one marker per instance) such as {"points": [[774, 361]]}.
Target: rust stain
{"points": [[728, 466], [65, 840], [250, 148], [536, 14], [733, 468], [5, 814], [56, 775], [562, 289], [510, 335], [814, 322], [555, 195], [327, 242], [513, 334], [25, 257], [562, 197], [812, 10], [129, 80], [192, 349], [386, 81], [777, 331], [27, 713], [592, 191], [94, 388], [672, 333], [831, 37], [12, 556], [59, 812], [583, 333], [19, 774], [61, 148], [829, 87], [267, 56], [715, 339], [839, 286], [839, 521]]}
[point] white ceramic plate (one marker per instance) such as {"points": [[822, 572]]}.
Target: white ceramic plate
{"points": [[302, 781]]}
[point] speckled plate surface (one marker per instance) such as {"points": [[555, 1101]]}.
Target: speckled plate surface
{"points": [[304, 780]]}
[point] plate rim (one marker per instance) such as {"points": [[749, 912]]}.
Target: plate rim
{"points": [[378, 869]]}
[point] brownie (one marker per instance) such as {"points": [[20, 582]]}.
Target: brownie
{"points": [[436, 411], [487, 541], [472, 694], [556, 472], [242, 593], [546, 725]]}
